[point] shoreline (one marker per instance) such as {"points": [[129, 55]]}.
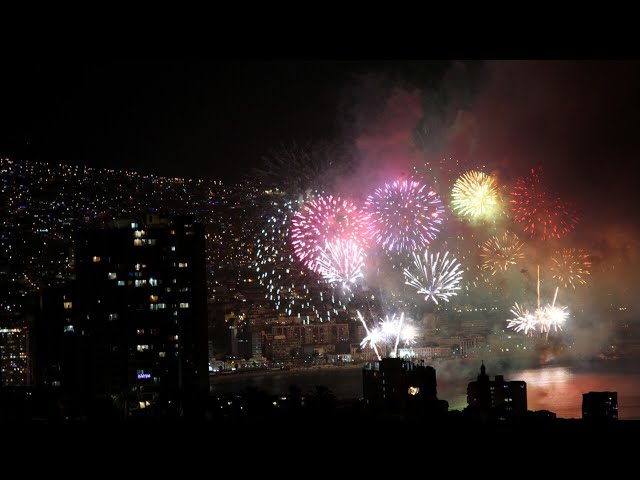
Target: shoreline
{"points": [[499, 365]]}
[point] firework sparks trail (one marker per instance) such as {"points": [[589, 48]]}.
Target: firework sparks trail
{"points": [[543, 319], [554, 317], [403, 216], [436, 278], [524, 321], [389, 331], [341, 261], [395, 347], [372, 338]]}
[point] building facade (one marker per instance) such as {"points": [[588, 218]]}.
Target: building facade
{"points": [[15, 369], [140, 307], [600, 406], [394, 385], [497, 398]]}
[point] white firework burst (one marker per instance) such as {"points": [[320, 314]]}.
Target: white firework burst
{"points": [[341, 261], [436, 277]]}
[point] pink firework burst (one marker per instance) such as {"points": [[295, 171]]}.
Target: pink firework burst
{"points": [[404, 215], [542, 213], [325, 219]]}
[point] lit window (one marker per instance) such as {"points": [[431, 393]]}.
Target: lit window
{"points": [[167, 289], [173, 248], [97, 259], [68, 329], [139, 233], [162, 354], [137, 267], [173, 232], [137, 242], [175, 337], [151, 241], [67, 305], [153, 282], [114, 316], [142, 348], [184, 305], [112, 275], [153, 298], [182, 265], [134, 225], [414, 390], [140, 331]]}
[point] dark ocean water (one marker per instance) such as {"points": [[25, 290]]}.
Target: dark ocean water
{"points": [[552, 387]]}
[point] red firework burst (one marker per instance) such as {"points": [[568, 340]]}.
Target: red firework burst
{"points": [[542, 213]]}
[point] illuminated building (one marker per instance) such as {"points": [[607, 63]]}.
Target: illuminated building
{"points": [[395, 385], [141, 305], [256, 344], [600, 406], [366, 353], [424, 352], [496, 399], [315, 334], [55, 361], [14, 356]]}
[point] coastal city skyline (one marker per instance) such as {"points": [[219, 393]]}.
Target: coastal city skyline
{"points": [[451, 213]]}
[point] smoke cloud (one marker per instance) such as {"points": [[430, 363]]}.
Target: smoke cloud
{"points": [[575, 120]]}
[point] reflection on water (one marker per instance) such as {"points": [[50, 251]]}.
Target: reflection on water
{"points": [[558, 389]]}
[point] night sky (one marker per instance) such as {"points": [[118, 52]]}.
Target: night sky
{"points": [[189, 118], [217, 119]]}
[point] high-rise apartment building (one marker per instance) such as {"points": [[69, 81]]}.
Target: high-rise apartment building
{"points": [[140, 306]]}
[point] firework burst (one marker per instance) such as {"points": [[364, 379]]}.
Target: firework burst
{"points": [[372, 338], [524, 321], [498, 253], [341, 261], [301, 169], [475, 194], [570, 266], [541, 213], [389, 331], [404, 216], [552, 318], [293, 289], [436, 278], [543, 319], [325, 219]]}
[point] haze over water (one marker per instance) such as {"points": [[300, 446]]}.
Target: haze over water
{"points": [[555, 388]]}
